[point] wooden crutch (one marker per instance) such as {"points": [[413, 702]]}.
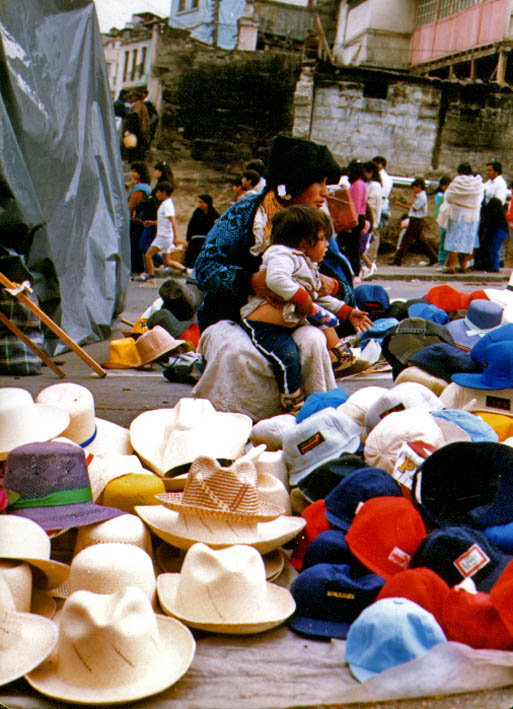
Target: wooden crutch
{"points": [[53, 326]]}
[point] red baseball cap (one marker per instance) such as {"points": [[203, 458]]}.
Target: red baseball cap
{"points": [[316, 522], [501, 595], [385, 534], [471, 618], [447, 298], [475, 295], [422, 586]]}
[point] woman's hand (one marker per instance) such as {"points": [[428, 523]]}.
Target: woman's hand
{"points": [[328, 287], [258, 285], [360, 320], [149, 222]]}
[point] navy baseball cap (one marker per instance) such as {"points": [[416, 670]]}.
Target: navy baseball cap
{"points": [[443, 360], [327, 476], [330, 547], [479, 350], [497, 362], [329, 598], [457, 553], [343, 502], [321, 400], [466, 483], [372, 298]]}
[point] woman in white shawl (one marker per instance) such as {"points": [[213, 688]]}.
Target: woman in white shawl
{"points": [[459, 215]]}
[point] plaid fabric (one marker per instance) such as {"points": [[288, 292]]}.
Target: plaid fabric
{"points": [[18, 313], [16, 358]]}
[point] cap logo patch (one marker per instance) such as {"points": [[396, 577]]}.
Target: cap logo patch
{"points": [[340, 594], [498, 402], [471, 561], [310, 443], [399, 558], [397, 407]]}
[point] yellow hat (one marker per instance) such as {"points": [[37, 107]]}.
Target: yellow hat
{"points": [[132, 489], [122, 354]]}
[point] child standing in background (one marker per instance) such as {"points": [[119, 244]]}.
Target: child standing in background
{"points": [[418, 210], [439, 198]]}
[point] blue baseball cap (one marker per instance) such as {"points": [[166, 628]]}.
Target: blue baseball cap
{"points": [[428, 312], [477, 429], [458, 553], [330, 547], [443, 360], [372, 298], [482, 317], [321, 400], [388, 633], [480, 349], [327, 476], [381, 328], [343, 502], [329, 598], [466, 483], [497, 360], [501, 536]]}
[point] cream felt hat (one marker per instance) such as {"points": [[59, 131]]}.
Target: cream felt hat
{"points": [[156, 343], [183, 531], [23, 421], [25, 639], [360, 401], [224, 591], [26, 598], [94, 435], [104, 468], [420, 376], [226, 494], [112, 648], [23, 539], [170, 439]]}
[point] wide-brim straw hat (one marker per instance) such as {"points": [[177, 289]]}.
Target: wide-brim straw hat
{"points": [[97, 634], [123, 354], [93, 435], [168, 440], [27, 639], [183, 531], [224, 591], [27, 599], [156, 343], [23, 539], [23, 421]]}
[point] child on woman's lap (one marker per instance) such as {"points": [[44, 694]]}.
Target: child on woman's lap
{"points": [[299, 239]]}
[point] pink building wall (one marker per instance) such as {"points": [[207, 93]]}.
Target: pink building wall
{"points": [[474, 27]]}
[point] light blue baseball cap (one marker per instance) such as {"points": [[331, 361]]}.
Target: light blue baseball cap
{"points": [[387, 633], [477, 429]]}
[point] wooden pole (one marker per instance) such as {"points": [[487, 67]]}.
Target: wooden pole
{"points": [[320, 30], [54, 327], [27, 341]]}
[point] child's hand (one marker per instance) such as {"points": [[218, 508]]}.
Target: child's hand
{"points": [[360, 320]]}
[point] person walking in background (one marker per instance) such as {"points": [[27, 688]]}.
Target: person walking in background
{"points": [[386, 186], [258, 165], [494, 231], [443, 184], [140, 190], [459, 216], [374, 203], [349, 241], [496, 185], [146, 210], [137, 122], [418, 210], [152, 114]]}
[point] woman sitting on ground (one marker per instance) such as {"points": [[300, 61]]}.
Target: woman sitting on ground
{"points": [[201, 222]]}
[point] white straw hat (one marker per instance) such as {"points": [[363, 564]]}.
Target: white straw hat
{"points": [[94, 435], [224, 591], [22, 421], [112, 648], [156, 343], [26, 598], [23, 539], [125, 529], [183, 531], [169, 439], [25, 639], [273, 463]]}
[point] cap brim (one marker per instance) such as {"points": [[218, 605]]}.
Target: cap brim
{"points": [[361, 673], [351, 446], [337, 522], [487, 583], [475, 381], [459, 332], [313, 627]]}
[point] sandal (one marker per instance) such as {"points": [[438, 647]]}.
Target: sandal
{"points": [[341, 357], [292, 403]]}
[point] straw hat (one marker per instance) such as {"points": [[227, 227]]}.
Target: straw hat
{"points": [[170, 439], [224, 591], [112, 648], [272, 490], [104, 468], [22, 421], [273, 463], [22, 539], [25, 639], [227, 494], [420, 376], [26, 599], [123, 354], [183, 531], [133, 489], [94, 435], [156, 343], [126, 529]]}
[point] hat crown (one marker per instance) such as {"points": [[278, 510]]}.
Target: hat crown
{"points": [[110, 567], [78, 402], [7, 604], [124, 351], [14, 397], [22, 538], [156, 343], [107, 639], [223, 584], [19, 580], [125, 529], [231, 489], [484, 314]]}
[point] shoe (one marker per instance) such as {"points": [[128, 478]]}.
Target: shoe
{"points": [[369, 271], [448, 270], [365, 272], [146, 277], [341, 357], [292, 403]]}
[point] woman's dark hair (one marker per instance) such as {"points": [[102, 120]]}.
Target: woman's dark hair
{"points": [[207, 199], [465, 169], [142, 170], [297, 223], [494, 216], [419, 182], [355, 171], [372, 167], [444, 180], [166, 187], [167, 173]]}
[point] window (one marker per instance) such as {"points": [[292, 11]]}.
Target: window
{"points": [[125, 69], [134, 65], [142, 65], [184, 5], [181, 5], [375, 89], [431, 10]]}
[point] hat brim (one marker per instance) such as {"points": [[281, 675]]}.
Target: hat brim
{"points": [[179, 347], [110, 438], [314, 627], [68, 516], [177, 652], [279, 606], [42, 604], [477, 381], [350, 446], [118, 365], [31, 643], [183, 532], [265, 511], [47, 422], [54, 571], [460, 334]]}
